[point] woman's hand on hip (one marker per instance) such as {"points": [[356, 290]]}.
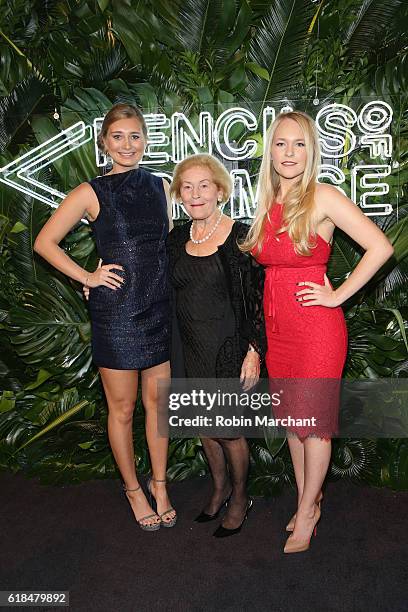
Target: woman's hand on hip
{"points": [[317, 295], [250, 370], [103, 276]]}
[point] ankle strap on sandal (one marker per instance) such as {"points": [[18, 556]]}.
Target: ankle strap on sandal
{"points": [[158, 480], [130, 490]]}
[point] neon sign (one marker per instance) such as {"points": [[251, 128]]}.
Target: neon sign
{"points": [[343, 133]]}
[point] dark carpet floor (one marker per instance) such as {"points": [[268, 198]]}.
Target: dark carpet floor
{"points": [[83, 539]]}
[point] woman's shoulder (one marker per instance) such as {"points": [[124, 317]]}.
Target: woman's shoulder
{"points": [[153, 178], [238, 234], [240, 229], [327, 193], [84, 191], [236, 237], [179, 234]]}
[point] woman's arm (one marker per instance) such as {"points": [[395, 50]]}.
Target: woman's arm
{"points": [[254, 328], [254, 300], [80, 202], [252, 277], [343, 213], [169, 206]]}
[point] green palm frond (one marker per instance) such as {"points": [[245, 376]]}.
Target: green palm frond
{"points": [[13, 68], [106, 64], [51, 409], [395, 474], [392, 273], [18, 106], [215, 27], [146, 97], [84, 104], [268, 473], [200, 15], [395, 285], [31, 215], [376, 346], [278, 45], [137, 25], [186, 459], [394, 290], [354, 459], [391, 279], [50, 329], [56, 422], [363, 35], [33, 410], [210, 51], [391, 78], [48, 11], [344, 258]]}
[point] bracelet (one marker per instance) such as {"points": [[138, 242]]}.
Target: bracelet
{"points": [[86, 281]]}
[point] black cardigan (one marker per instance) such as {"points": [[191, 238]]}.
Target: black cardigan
{"points": [[245, 280]]}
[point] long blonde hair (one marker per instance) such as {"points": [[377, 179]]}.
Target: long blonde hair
{"points": [[298, 206]]}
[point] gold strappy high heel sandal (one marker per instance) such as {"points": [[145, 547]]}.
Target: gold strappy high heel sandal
{"points": [[142, 525], [163, 523]]}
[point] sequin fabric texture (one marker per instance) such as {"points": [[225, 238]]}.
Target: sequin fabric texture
{"points": [[130, 326], [305, 343]]}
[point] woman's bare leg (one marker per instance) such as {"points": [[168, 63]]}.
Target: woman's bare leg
{"points": [[120, 388], [158, 444], [317, 459], [297, 454]]}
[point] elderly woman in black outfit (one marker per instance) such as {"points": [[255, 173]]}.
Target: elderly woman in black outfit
{"points": [[218, 303]]}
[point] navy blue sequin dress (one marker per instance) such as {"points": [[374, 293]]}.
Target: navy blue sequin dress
{"points": [[130, 326]]}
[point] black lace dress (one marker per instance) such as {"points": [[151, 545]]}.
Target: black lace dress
{"points": [[217, 307], [202, 306]]}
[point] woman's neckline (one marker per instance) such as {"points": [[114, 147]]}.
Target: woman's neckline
{"points": [[201, 256], [126, 172], [218, 247]]}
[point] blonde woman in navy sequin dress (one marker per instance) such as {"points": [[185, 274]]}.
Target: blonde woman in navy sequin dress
{"points": [[129, 213]]}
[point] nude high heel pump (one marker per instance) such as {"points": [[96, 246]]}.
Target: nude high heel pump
{"points": [[296, 546], [291, 525]]}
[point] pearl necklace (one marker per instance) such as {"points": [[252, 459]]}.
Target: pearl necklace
{"points": [[208, 235]]}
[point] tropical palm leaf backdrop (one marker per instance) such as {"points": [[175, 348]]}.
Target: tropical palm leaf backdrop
{"points": [[76, 57]]}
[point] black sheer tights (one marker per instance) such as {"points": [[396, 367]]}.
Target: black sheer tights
{"points": [[228, 461]]}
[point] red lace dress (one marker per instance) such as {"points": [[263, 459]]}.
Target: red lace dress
{"points": [[306, 344]]}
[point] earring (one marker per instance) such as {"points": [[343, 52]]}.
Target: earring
{"points": [[108, 164], [220, 199]]}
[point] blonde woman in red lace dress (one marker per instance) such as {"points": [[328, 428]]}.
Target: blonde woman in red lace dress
{"points": [[306, 332]]}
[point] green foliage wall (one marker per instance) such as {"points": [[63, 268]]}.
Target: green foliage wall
{"points": [[77, 57]]}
